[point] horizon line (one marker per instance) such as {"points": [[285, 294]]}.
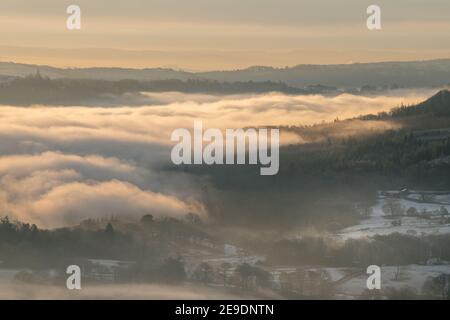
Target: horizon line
{"points": [[186, 70]]}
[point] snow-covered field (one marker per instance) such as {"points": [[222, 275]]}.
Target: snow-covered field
{"points": [[412, 276], [429, 206]]}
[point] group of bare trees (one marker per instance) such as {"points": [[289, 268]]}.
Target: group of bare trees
{"points": [[243, 275]]}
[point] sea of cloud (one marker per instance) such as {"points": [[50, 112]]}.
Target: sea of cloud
{"points": [[60, 165]]}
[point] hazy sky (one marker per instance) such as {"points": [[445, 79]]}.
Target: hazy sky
{"points": [[221, 34]]}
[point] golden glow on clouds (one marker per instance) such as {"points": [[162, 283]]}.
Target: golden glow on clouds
{"points": [[60, 165]]}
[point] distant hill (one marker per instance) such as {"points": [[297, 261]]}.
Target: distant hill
{"points": [[405, 74], [383, 74], [438, 105], [37, 89], [111, 74]]}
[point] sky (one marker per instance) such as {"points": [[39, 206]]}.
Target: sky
{"points": [[221, 34]]}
